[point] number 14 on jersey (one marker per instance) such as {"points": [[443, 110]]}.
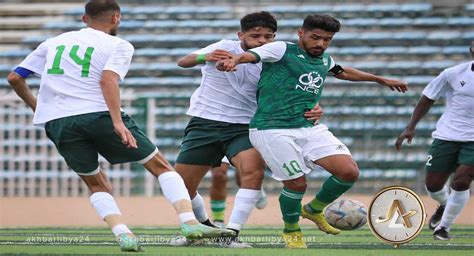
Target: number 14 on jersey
{"points": [[85, 62]]}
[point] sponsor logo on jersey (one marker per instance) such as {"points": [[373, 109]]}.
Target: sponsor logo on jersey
{"points": [[310, 82], [301, 56]]}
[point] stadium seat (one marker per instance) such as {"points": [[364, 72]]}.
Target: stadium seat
{"points": [[156, 81], [468, 37], [461, 21], [395, 50], [395, 22], [470, 8], [410, 37], [383, 9], [349, 9], [430, 21], [416, 8], [455, 50], [361, 22], [424, 50], [437, 65], [360, 50]]}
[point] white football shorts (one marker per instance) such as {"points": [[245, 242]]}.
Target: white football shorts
{"points": [[289, 153]]}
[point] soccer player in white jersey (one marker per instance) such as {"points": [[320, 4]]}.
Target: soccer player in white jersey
{"points": [[78, 104], [221, 109], [453, 147], [292, 79]]}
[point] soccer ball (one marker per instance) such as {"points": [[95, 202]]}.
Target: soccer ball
{"points": [[346, 214]]}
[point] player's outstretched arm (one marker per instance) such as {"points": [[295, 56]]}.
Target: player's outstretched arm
{"points": [[231, 64], [20, 87], [353, 74], [109, 84], [193, 59], [422, 107]]}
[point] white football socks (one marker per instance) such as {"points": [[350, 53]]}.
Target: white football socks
{"points": [[199, 208], [456, 201], [173, 187], [176, 193], [121, 229], [439, 196], [245, 201], [104, 204]]}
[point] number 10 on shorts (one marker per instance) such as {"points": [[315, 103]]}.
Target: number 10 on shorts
{"points": [[292, 168]]}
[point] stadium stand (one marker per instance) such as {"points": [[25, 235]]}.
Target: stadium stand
{"points": [[413, 41]]}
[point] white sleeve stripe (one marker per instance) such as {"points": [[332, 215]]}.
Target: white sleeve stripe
{"points": [[333, 64]]}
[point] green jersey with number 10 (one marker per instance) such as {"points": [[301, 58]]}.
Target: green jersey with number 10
{"points": [[291, 82]]}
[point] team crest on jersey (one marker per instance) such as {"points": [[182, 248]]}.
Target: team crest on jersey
{"points": [[310, 82], [463, 83], [325, 61]]}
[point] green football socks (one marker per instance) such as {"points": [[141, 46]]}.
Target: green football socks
{"points": [[218, 209], [290, 205], [331, 190]]}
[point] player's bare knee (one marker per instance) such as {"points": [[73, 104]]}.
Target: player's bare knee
{"points": [[158, 165], [251, 180], [461, 182], [433, 186], [298, 184], [349, 173], [219, 177]]}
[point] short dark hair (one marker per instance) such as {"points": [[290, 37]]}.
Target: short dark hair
{"points": [[95, 8], [321, 21], [258, 19]]}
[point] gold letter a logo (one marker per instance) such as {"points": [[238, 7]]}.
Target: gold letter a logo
{"points": [[396, 210]]}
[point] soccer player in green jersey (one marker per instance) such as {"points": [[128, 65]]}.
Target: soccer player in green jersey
{"points": [[291, 81]]}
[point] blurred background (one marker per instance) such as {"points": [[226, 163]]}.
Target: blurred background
{"points": [[409, 40]]}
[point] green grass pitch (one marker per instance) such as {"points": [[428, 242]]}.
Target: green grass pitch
{"points": [[265, 240]]}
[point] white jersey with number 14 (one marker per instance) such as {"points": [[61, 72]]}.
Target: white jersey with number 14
{"points": [[70, 66]]}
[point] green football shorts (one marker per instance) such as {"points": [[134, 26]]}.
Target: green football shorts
{"points": [[79, 139], [446, 156], [206, 142]]}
